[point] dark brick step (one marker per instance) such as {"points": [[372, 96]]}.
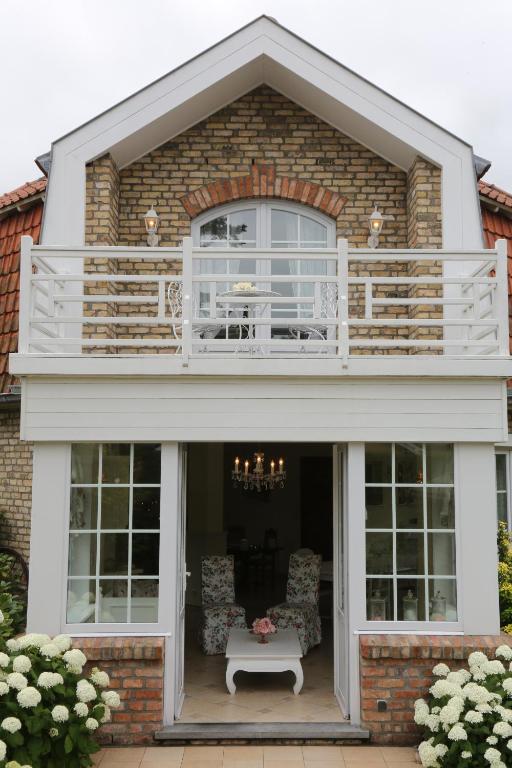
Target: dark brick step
{"points": [[247, 733]]}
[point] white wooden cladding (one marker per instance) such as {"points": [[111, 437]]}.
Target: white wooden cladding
{"points": [[229, 409], [472, 287]]}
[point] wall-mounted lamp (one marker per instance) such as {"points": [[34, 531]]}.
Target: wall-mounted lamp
{"points": [[375, 224], [151, 220]]}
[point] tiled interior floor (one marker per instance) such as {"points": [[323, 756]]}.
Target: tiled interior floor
{"points": [[257, 757], [260, 697]]}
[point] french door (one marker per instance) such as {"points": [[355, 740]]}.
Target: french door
{"points": [[340, 611], [181, 584]]}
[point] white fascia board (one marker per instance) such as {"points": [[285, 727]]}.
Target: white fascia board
{"points": [[265, 52]]}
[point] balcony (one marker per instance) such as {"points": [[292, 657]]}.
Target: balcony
{"points": [[212, 310]]}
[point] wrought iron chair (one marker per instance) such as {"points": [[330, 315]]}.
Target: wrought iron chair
{"points": [[220, 612], [300, 611]]}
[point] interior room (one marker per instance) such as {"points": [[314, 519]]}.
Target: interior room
{"points": [[267, 543]]}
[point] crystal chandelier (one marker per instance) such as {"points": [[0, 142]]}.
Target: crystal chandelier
{"points": [[256, 478]]}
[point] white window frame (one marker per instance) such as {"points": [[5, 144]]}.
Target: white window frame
{"points": [[160, 627], [410, 627], [508, 475]]}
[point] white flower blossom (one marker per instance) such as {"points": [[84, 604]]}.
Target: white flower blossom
{"points": [[477, 659], [457, 733], [441, 670], [502, 729], [494, 667], [91, 724], [75, 657], [492, 755], [85, 691], [443, 688], [504, 652], [485, 708], [428, 755], [75, 669], [473, 717], [17, 681], [10, 724], [441, 750], [507, 685], [50, 679], [509, 745], [435, 710], [2, 619], [60, 713], [477, 674], [111, 699], [28, 697], [432, 722], [107, 714], [504, 713], [449, 714], [53, 732], [49, 650], [4, 660], [21, 664], [32, 640], [477, 693], [81, 709], [63, 642], [421, 711], [4, 688], [100, 678], [465, 755], [3, 750], [492, 740], [460, 677], [12, 645]]}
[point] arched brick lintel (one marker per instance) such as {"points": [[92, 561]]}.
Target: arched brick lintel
{"points": [[263, 182]]}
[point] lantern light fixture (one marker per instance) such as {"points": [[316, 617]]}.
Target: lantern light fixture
{"points": [[151, 220], [375, 223]]}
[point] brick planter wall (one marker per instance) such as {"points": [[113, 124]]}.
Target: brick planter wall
{"points": [[136, 669], [398, 670], [15, 482]]}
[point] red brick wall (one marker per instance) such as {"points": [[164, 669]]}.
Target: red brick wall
{"points": [[136, 669], [398, 670]]}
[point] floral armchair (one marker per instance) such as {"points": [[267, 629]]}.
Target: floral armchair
{"points": [[300, 611], [220, 612]]}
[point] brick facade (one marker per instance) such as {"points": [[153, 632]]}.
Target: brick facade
{"points": [[136, 669], [15, 482], [397, 669]]}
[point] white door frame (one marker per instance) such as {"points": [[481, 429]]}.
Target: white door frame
{"points": [[341, 637]]}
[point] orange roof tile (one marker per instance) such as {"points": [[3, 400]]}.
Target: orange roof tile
{"points": [[12, 227], [24, 192], [494, 193]]}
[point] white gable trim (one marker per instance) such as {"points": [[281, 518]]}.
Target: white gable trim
{"points": [[261, 52]]}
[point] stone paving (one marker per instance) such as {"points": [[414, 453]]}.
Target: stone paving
{"points": [[257, 757]]}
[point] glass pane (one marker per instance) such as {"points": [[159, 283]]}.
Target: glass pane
{"points": [[501, 472], [379, 553], [409, 507], [502, 508], [84, 508], [409, 463], [115, 508], [378, 508], [116, 463], [442, 599], [440, 508], [242, 228], [82, 554], [410, 597], [379, 600], [146, 463], [81, 601], [440, 463], [114, 554], [145, 554], [378, 462], [313, 232], [146, 508], [113, 601], [84, 463], [144, 601], [217, 229], [284, 228], [441, 554], [410, 556]]}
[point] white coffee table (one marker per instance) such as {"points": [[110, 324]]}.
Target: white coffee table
{"points": [[280, 654]]}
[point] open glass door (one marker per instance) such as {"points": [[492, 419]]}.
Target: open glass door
{"points": [[181, 584], [340, 611]]}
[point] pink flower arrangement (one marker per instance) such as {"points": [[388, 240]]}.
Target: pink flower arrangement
{"points": [[263, 628]]}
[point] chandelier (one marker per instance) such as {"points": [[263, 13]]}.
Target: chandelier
{"points": [[256, 477]]}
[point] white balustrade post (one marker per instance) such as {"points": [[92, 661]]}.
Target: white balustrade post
{"points": [[187, 303], [25, 294], [342, 266], [502, 297]]}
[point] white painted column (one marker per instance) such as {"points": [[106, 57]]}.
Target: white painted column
{"points": [[477, 560], [169, 551], [355, 533], [48, 546]]}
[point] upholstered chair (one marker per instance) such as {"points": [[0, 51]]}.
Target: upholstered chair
{"points": [[300, 611], [220, 612]]}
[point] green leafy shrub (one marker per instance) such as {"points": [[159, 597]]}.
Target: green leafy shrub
{"points": [[467, 721], [48, 710], [505, 578], [13, 600]]}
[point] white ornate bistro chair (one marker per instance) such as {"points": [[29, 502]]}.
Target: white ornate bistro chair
{"points": [[300, 611], [220, 612]]}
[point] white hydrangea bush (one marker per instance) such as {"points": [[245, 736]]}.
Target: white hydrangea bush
{"points": [[468, 718], [50, 708]]}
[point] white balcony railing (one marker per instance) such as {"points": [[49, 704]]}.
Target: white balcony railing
{"points": [[337, 302]]}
